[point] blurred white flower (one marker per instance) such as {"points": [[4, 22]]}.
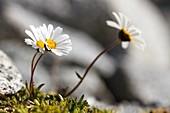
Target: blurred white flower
{"points": [[128, 33], [49, 39]]}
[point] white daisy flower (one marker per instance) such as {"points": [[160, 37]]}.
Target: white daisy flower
{"points": [[52, 40], [37, 40], [55, 41], [128, 33]]}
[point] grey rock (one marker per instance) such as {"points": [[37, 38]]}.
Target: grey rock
{"points": [[93, 102], [10, 78], [129, 108], [22, 56]]}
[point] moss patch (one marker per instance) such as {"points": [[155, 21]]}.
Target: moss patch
{"points": [[22, 102]]}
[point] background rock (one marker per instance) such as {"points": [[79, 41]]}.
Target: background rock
{"points": [[10, 78], [22, 55]]}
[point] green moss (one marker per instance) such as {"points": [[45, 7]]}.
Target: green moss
{"points": [[22, 102]]}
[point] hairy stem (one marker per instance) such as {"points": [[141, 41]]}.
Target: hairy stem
{"points": [[33, 67], [32, 63], [109, 47]]}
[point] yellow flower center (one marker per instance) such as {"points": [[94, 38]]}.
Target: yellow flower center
{"points": [[51, 44], [124, 35], [40, 44]]}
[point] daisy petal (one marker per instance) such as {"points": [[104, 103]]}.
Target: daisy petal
{"points": [[64, 43], [131, 29], [61, 38], [57, 52], [139, 46], [65, 49], [124, 20], [28, 41], [125, 45], [50, 29], [29, 33], [42, 31], [34, 30], [121, 19], [41, 36], [113, 24], [57, 32], [135, 34], [117, 18], [35, 46], [44, 27], [139, 41]]}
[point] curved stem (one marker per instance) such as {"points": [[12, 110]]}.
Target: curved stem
{"points": [[32, 63], [33, 66], [37, 62], [109, 47]]}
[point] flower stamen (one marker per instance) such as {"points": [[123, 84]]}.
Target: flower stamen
{"points": [[40, 43], [125, 35], [51, 44]]}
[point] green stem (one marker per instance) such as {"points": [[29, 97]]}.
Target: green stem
{"points": [[109, 47]]}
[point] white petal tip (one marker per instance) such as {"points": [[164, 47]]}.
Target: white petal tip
{"points": [[112, 24]]}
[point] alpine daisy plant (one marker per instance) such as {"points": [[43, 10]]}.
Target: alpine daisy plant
{"points": [[127, 32], [45, 39]]}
